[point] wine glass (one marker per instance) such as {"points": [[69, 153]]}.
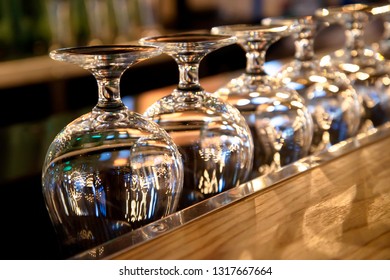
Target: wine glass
{"points": [[212, 136], [331, 99], [279, 120], [381, 12], [110, 170], [365, 68]]}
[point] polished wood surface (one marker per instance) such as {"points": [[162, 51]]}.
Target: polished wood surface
{"points": [[337, 210]]}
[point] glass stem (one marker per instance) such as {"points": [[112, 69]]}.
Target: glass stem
{"points": [[385, 40], [189, 76], [109, 94], [304, 45], [386, 31], [255, 57]]}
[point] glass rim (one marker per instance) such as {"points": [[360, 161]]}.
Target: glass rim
{"points": [[182, 38], [256, 32], [252, 27], [286, 20], [188, 43], [103, 51], [333, 11]]}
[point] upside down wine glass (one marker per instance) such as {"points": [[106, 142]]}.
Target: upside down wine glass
{"points": [[365, 68], [384, 43], [331, 99], [212, 136], [280, 122], [381, 12], [111, 170]]}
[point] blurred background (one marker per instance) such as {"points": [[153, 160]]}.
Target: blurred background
{"points": [[30, 28], [40, 96]]}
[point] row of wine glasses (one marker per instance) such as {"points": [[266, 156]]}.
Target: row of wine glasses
{"points": [[383, 45], [111, 171], [366, 68], [213, 137], [277, 116], [332, 101]]}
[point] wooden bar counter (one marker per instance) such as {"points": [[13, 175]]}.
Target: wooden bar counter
{"points": [[338, 208]]}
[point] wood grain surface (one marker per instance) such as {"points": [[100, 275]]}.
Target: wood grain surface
{"points": [[338, 210]]}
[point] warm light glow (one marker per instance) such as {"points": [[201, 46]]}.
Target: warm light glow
{"points": [[254, 94], [338, 53], [349, 67], [324, 12], [237, 82], [123, 158], [301, 167], [222, 92], [243, 102], [323, 223], [362, 76], [296, 104], [317, 79], [333, 88], [325, 61], [120, 162], [368, 52], [282, 95], [380, 10], [386, 81]]}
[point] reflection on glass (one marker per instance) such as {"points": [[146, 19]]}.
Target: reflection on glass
{"points": [[365, 68], [332, 101], [279, 121], [212, 136], [381, 13], [111, 170]]}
